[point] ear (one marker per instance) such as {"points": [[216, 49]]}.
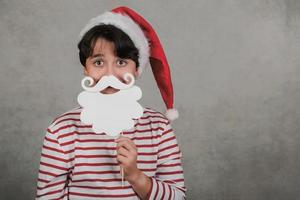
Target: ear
{"points": [[136, 73], [85, 71]]}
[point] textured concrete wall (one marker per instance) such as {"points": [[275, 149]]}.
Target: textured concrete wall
{"points": [[236, 73]]}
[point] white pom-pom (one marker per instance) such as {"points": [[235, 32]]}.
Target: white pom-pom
{"points": [[172, 114]]}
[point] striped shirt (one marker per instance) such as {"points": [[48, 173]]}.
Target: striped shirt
{"points": [[77, 163]]}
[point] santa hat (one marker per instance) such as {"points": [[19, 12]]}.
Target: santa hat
{"points": [[150, 49]]}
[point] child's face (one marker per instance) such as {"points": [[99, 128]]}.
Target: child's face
{"points": [[104, 62]]}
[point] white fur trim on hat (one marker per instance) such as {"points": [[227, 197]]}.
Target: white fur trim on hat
{"points": [[126, 24], [172, 114]]}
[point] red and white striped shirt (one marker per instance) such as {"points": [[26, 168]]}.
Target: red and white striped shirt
{"points": [[77, 163]]}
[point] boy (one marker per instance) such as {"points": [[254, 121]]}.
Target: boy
{"points": [[76, 163]]}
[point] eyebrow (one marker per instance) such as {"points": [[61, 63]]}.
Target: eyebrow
{"points": [[97, 55]]}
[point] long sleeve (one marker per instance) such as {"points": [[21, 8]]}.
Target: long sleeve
{"points": [[168, 182], [53, 170]]}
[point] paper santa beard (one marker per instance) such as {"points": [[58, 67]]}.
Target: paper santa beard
{"points": [[110, 113]]}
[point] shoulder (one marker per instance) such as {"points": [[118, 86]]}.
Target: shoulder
{"points": [[66, 119], [154, 118], [151, 114], [158, 123]]}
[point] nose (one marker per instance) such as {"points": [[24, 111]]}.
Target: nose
{"points": [[107, 71], [110, 70]]}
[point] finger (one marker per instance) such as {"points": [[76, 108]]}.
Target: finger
{"points": [[126, 145], [122, 160], [122, 139], [124, 152]]}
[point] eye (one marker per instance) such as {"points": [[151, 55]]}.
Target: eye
{"points": [[98, 63], [122, 62]]}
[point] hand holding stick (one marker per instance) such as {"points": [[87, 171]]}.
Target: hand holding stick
{"points": [[127, 157]]}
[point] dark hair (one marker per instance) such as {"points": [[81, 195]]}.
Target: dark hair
{"points": [[123, 45]]}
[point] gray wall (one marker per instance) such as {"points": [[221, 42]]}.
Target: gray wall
{"points": [[236, 73]]}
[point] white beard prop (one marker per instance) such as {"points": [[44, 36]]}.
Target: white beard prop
{"points": [[110, 113]]}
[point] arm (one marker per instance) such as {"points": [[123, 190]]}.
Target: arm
{"points": [[141, 184], [169, 180], [53, 170], [127, 157]]}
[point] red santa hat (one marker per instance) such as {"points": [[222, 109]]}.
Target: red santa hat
{"points": [[150, 49]]}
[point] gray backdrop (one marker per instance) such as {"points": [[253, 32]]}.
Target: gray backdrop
{"points": [[236, 72]]}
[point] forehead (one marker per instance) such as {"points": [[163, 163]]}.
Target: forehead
{"points": [[104, 47]]}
